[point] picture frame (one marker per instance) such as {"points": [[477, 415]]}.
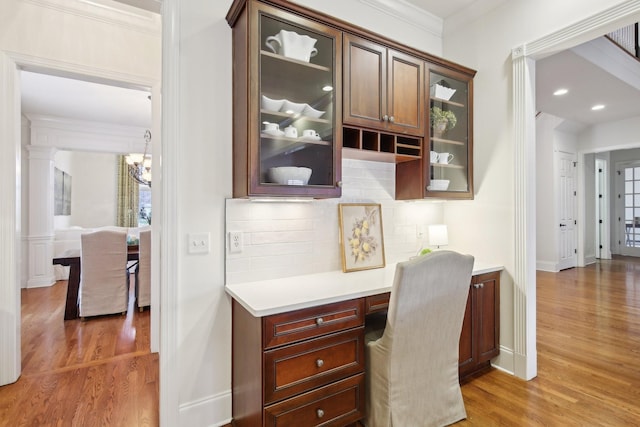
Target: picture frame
{"points": [[361, 236]]}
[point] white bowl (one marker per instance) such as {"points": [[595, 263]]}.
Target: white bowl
{"points": [[442, 92], [271, 104], [292, 107], [309, 111], [289, 175], [438, 185]]}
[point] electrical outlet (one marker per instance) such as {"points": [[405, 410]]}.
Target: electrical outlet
{"points": [[198, 243], [235, 242], [419, 231]]}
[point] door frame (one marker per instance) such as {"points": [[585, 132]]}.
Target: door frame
{"points": [[11, 64], [620, 234]]}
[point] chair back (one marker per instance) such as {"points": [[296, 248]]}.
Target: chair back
{"points": [[103, 273], [143, 272], [421, 340]]}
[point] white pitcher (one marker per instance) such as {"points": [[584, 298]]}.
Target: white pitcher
{"points": [[292, 45]]}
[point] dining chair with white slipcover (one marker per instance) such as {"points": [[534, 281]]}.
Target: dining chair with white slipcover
{"points": [[412, 365], [104, 280]]}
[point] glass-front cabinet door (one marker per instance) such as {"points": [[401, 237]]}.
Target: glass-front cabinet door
{"points": [[294, 146], [449, 168]]}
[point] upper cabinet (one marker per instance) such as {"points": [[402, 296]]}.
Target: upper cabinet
{"points": [[449, 160], [298, 75], [287, 117], [383, 88]]}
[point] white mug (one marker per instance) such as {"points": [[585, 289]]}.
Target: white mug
{"points": [[434, 157], [291, 132], [445, 158], [271, 127], [310, 133]]}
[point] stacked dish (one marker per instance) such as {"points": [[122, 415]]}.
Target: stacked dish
{"points": [[438, 185], [289, 107]]}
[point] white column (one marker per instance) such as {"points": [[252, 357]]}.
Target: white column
{"points": [[40, 232]]}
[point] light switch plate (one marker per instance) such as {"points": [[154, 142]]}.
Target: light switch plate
{"points": [[198, 243]]}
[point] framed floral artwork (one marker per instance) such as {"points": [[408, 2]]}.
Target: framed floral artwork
{"points": [[361, 239]]}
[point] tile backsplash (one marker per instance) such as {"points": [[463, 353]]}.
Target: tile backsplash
{"points": [[282, 239]]}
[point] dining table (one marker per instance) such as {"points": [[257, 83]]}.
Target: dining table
{"points": [[72, 259]]}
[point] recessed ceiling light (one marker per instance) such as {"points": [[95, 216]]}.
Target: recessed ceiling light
{"points": [[597, 107], [561, 92]]}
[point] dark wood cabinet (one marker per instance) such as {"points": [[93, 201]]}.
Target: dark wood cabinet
{"points": [[383, 87], [480, 337], [304, 367], [286, 102]]}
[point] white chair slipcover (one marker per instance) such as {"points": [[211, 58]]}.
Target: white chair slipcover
{"points": [[104, 287], [143, 271], [412, 369]]}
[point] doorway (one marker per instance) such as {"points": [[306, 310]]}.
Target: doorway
{"points": [[628, 207]]}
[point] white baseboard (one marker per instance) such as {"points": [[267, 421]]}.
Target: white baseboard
{"points": [[549, 266], [505, 361], [590, 260], [41, 282], [211, 411]]}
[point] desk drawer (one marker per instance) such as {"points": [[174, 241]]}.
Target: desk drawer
{"points": [[337, 404], [301, 367], [375, 303], [293, 326]]}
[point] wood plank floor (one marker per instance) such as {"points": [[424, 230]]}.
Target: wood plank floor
{"points": [[100, 372], [588, 355]]}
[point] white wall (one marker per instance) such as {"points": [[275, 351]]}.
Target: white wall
{"points": [[589, 197], [204, 182], [94, 189], [486, 45]]}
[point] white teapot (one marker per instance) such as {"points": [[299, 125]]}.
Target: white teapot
{"points": [[292, 45]]}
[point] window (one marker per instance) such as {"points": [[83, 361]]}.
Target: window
{"points": [[144, 205]]}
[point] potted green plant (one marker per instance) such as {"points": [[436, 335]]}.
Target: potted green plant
{"points": [[442, 120]]}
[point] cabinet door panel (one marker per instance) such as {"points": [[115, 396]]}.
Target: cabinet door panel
{"points": [[465, 359], [405, 94], [489, 310], [365, 76]]}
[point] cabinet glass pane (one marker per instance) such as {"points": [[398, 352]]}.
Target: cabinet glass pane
{"points": [[449, 121], [297, 77]]}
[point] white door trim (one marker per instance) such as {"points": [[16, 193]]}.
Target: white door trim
{"points": [[523, 68], [10, 242], [10, 112]]}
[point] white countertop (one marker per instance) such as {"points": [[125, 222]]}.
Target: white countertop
{"points": [[266, 297]]}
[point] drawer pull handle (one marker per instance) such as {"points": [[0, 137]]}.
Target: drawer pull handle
{"points": [[319, 363], [319, 321], [320, 413]]}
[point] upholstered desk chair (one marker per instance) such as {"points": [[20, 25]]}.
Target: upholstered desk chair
{"points": [[104, 280], [143, 271], [412, 369]]}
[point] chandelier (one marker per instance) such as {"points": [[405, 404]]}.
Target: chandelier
{"points": [[140, 164]]}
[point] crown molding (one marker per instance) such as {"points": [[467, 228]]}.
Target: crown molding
{"points": [[409, 13], [108, 12]]}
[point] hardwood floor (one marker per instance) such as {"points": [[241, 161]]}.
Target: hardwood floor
{"points": [[99, 372], [588, 355]]}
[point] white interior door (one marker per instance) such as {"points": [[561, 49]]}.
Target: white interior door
{"points": [[628, 197], [566, 191]]}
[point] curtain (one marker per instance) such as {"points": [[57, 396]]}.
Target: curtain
{"points": [[128, 189]]}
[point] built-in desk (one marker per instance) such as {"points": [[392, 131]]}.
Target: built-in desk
{"points": [[298, 343]]}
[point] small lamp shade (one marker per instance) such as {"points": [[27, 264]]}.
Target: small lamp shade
{"points": [[438, 235]]}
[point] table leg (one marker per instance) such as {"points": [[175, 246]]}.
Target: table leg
{"points": [[71, 309]]}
